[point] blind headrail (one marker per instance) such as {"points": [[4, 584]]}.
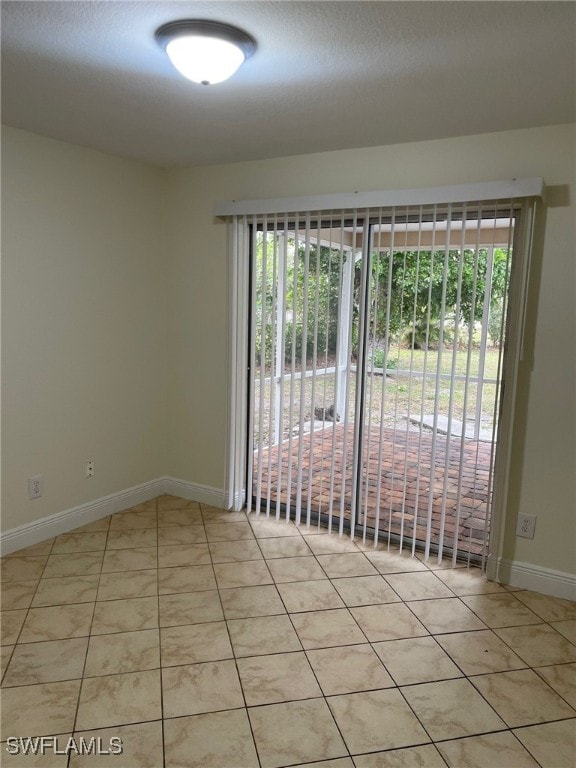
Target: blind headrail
{"points": [[342, 201]]}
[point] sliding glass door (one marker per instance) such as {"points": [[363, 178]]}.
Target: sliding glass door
{"points": [[376, 364]]}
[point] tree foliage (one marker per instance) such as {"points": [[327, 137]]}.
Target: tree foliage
{"points": [[410, 291], [311, 297]]}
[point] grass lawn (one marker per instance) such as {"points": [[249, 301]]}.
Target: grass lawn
{"points": [[389, 400]]}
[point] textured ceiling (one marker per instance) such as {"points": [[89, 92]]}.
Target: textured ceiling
{"points": [[326, 75]]}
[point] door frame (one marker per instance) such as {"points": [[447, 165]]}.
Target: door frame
{"points": [[238, 214]]}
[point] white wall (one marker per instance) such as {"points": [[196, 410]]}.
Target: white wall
{"points": [[542, 480], [82, 325]]}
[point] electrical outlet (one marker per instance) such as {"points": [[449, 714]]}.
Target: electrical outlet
{"points": [[35, 487], [90, 468], [526, 526]]}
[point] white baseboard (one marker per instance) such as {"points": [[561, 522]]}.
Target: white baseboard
{"points": [[205, 494], [61, 522], [536, 578]]}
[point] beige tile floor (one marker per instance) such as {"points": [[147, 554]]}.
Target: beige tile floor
{"points": [[205, 639]]}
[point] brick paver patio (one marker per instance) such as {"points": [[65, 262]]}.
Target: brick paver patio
{"points": [[410, 487]]}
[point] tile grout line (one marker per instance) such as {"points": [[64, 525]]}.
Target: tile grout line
{"points": [[82, 678], [303, 650], [26, 616], [325, 697], [161, 669], [235, 658]]}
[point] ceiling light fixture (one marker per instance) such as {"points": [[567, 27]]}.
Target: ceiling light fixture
{"points": [[205, 52]]}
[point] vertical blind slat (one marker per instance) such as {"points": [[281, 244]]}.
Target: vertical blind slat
{"points": [[252, 367], [435, 415], [408, 415], [468, 384]]}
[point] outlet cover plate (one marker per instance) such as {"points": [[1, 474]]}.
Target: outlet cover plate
{"points": [[526, 526], [35, 487]]}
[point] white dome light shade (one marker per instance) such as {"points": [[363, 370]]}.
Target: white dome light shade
{"points": [[205, 52], [205, 60]]}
